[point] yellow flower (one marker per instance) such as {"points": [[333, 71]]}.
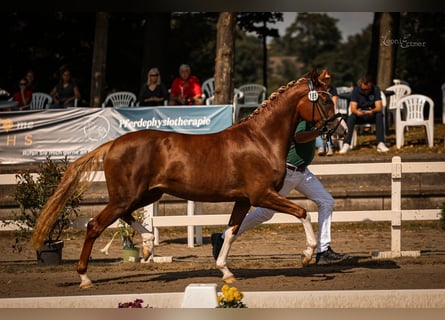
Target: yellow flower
{"points": [[230, 297]]}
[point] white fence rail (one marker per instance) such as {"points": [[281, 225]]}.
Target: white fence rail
{"points": [[194, 220], [396, 168]]}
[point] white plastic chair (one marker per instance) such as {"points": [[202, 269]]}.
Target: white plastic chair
{"points": [[410, 112], [40, 100], [400, 90], [121, 99], [343, 104], [249, 96], [208, 90], [370, 126]]}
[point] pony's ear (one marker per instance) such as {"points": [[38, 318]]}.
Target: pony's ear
{"points": [[314, 76], [324, 77]]}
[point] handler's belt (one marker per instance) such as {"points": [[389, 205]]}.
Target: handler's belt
{"points": [[294, 168]]}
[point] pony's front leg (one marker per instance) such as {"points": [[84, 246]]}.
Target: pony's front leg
{"points": [[221, 262], [311, 241]]}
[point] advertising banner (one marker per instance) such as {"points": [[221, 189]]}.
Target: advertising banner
{"points": [[28, 136]]}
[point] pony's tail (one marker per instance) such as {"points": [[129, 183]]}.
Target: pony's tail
{"points": [[73, 180]]}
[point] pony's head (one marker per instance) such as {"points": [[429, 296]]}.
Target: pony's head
{"points": [[317, 106]]}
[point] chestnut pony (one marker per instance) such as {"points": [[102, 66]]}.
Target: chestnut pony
{"points": [[244, 163]]}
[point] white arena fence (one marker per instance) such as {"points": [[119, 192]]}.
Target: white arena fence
{"points": [[194, 220]]}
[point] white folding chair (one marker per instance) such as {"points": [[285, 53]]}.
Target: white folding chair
{"points": [[343, 104], [40, 100], [400, 90], [250, 96], [121, 99], [208, 90], [410, 112]]}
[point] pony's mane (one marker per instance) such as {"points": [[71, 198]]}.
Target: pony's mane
{"points": [[273, 96]]}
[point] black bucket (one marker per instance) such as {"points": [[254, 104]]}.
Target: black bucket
{"points": [[50, 253]]}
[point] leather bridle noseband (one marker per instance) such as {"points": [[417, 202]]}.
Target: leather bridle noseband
{"points": [[324, 130]]}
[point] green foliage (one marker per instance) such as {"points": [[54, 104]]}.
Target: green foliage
{"points": [[315, 40], [32, 193], [248, 59], [127, 234], [310, 35]]}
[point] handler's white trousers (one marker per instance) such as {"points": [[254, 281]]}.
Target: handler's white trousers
{"points": [[307, 184]]}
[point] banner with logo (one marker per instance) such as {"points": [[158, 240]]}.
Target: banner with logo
{"points": [[29, 136]]}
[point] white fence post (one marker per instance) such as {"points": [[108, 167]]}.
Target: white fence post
{"points": [[198, 230], [190, 229], [396, 199]]}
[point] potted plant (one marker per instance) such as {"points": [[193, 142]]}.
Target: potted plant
{"points": [[127, 234], [32, 193]]}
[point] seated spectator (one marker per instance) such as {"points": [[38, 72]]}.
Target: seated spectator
{"points": [[321, 149], [186, 89], [23, 96], [153, 92], [29, 75], [366, 107], [66, 91]]}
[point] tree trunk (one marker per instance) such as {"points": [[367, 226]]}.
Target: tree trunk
{"points": [[225, 53], [99, 62], [388, 28], [373, 55], [382, 58]]}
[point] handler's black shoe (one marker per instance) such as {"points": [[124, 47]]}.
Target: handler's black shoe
{"points": [[217, 243], [330, 256]]}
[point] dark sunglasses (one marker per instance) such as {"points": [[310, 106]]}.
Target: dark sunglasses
{"points": [[154, 75]]}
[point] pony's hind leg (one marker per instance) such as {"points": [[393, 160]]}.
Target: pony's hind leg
{"points": [[279, 203], [94, 229]]}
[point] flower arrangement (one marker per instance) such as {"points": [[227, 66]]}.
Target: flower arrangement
{"points": [[230, 297], [137, 303], [126, 232]]}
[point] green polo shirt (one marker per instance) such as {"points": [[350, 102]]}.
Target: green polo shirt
{"points": [[302, 154]]}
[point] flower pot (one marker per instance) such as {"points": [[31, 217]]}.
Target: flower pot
{"points": [[50, 253], [131, 255]]}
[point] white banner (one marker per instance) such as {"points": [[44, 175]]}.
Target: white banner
{"points": [[28, 136]]}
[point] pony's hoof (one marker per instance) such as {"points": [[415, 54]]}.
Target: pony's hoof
{"points": [[305, 260], [85, 282], [87, 285], [230, 279], [146, 252]]}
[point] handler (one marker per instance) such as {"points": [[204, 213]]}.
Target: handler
{"points": [[300, 178]]}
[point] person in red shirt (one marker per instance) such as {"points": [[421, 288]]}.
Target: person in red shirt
{"points": [[24, 95], [186, 88]]}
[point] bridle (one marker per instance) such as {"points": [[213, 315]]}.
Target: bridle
{"points": [[324, 130]]}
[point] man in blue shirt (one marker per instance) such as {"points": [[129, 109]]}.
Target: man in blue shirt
{"points": [[300, 178], [366, 107]]}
